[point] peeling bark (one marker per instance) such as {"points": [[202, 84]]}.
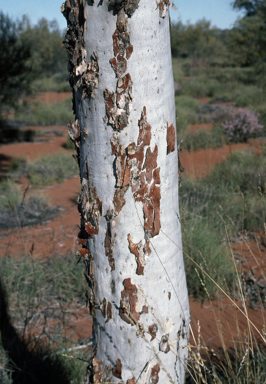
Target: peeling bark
{"points": [[153, 329], [117, 370], [164, 344], [170, 138], [163, 8], [140, 251], [154, 378], [128, 303]]}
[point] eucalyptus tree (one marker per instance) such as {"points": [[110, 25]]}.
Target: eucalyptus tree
{"points": [[130, 235]]}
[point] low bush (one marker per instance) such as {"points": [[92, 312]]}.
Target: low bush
{"points": [[239, 124], [229, 201], [45, 114], [203, 139], [52, 169], [20, 210]]}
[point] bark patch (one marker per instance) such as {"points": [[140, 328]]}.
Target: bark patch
{"points": [[128, 303], [101, 375], [170, 138], [153, 329], [163, 7], [142, 175], [90, 207], [164, 344], [129, 6], [117, 370], [131, 381], [107, 309], [118, 105], [83, 74], [140, 251], [154, 378], [108, 244]]}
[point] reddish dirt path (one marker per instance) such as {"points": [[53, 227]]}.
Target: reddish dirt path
{"points": [[199, 163], [50, 97], [198, 127]]}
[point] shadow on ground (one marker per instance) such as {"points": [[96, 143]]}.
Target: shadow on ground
{"points": [[27, 360]]}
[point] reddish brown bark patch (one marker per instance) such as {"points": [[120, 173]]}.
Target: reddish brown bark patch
{"points": [[150, 162], [104, 307], [119, 65], [108, 244], [117, 370], [143, 178], [163, 7], [90, 207], [74, 132], [164, 344], [109, 311], [153, 329], [131, 381], [139, 251], [170, 138], [91, 230], [154, 378], [155, 195], [120, 101], [83, 252], [97, 371], [169, 295], [128, 303], [100, 375], [119, 199]]}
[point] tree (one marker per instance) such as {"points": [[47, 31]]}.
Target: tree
{"points": [[248, 37], [15, 68], [251, 7], [130, 236]]}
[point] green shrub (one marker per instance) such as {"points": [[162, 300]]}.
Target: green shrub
{"points": [[203, 139], [46, 114], [52, 169]]}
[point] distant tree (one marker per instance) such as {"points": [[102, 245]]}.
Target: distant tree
{"points": [[198, 41], [15, 62], [248, 37], [251, 7], [45, 38]]}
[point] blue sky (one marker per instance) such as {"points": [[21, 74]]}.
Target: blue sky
{"points": [[219, 12]]}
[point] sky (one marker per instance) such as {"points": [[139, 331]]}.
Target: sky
{"points": [[219, 12]]}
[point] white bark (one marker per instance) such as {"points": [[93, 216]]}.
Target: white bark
{"points": [[154, 300]]}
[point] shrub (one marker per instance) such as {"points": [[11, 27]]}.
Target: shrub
{"points": [[239, 124], [52, 169]]}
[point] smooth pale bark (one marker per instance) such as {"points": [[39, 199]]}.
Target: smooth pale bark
{"points": [[129, 198]]}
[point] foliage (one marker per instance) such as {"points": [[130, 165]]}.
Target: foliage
{"points": [[15, 62], [51, 169], [42, 295], [45, 114], [227, 202], [45, 39], [239, 124], [198, 40], [248, 37], [203, 139], [20, 211]]}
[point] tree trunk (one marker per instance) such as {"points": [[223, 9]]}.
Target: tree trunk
{"points": [[123, 97]]}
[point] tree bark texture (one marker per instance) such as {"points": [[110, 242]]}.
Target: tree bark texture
{"points": [[123, 97]]}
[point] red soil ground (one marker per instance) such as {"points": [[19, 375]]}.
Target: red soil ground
{"points": [[58, 237]]}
